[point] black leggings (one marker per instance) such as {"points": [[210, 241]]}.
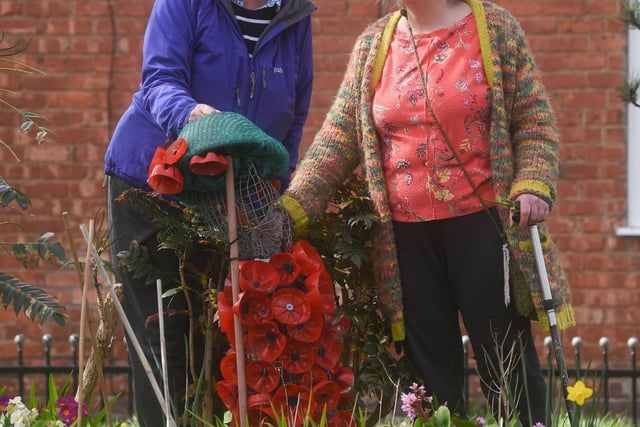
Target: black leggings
{"points": [[451, 267]]}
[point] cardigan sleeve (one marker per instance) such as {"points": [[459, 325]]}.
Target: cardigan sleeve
{"points": [[534, 134], [334, 153]]}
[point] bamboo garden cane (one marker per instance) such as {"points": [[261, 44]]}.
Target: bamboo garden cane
{"points": [[163, 349], [235, 286], [125, 323]]}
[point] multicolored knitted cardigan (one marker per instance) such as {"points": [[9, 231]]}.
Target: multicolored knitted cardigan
{"points": [[524, 157]]}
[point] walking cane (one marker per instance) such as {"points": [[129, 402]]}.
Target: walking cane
{"points": [[547, 304]]}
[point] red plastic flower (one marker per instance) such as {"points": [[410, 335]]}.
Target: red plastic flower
{"points": [[328, 351], [229, 368], [266, 341], [341, 419], [344, 377], [321, 291], [287, 266], [297, 357], [163, 177], [307, 257], [259, 410], [256, 275], [225, 314], [313, 376], [262, 377], [210, 164], [290, 306], [228, 393], [175, 151], [253, 307], [291, 402], [309, 330], [326, 396]]}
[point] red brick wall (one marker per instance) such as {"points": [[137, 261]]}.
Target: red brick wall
{"points": [[90, 52]]}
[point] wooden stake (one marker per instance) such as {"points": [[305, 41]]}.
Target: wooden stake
{"points": [[235, 286], [125, 322], [163, 349], [94, 364], [83, 321]]}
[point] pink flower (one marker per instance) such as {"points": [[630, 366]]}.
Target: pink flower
{"points": [[408, 404], [69, 409]]}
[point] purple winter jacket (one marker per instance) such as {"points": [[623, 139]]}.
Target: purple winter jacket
{"points": [[194, 53]]}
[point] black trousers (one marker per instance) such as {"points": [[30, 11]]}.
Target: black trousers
{"points": [[140, 305], [454, 267]]}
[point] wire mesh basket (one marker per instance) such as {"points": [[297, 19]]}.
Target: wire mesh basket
{"points": [[263, 225]]}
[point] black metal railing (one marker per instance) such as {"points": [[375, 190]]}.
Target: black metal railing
{"points": [[626, 395], [20, 371]]}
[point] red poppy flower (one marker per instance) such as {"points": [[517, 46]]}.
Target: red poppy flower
{"points": [[337, 324], [290, 306], [256, 275], [344, 377], [347, 400], [258, 400], [211, 164], [341, 419], [328, 351], [287, 266], [262, 416], [326, 396], [313, 376], [266, 341], [253, 308], [309, 330], [164, 178], [297, 357], [306, 255], [225, 314], [262, 377], [175, 151], [321, 291], [228, 393], [259, 410], [291, 401], [229, 368]]}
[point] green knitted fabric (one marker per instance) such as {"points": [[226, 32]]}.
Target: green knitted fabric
{"points": [[523, 127], [228, 133]]}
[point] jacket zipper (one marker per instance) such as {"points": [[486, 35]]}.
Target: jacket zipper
{"points": [[252, 77]]}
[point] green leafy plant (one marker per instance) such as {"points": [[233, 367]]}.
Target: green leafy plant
{"points": [[24, 297], [60, 410], [343, 237]]}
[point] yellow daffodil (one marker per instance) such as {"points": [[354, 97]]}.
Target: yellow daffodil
{"points": [[579, 392]]}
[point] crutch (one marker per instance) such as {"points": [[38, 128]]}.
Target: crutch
{"points": [[547, 304]]}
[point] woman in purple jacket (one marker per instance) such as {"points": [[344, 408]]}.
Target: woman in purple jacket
{"points": [[252, 57]]}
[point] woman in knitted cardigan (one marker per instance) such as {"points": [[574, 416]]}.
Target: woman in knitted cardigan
{"points": [[438, 170]]}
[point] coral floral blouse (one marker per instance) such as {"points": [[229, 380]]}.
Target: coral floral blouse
{"points": [[424, 179]]}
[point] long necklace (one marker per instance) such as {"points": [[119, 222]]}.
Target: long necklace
{"points": [[423, 82]]}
